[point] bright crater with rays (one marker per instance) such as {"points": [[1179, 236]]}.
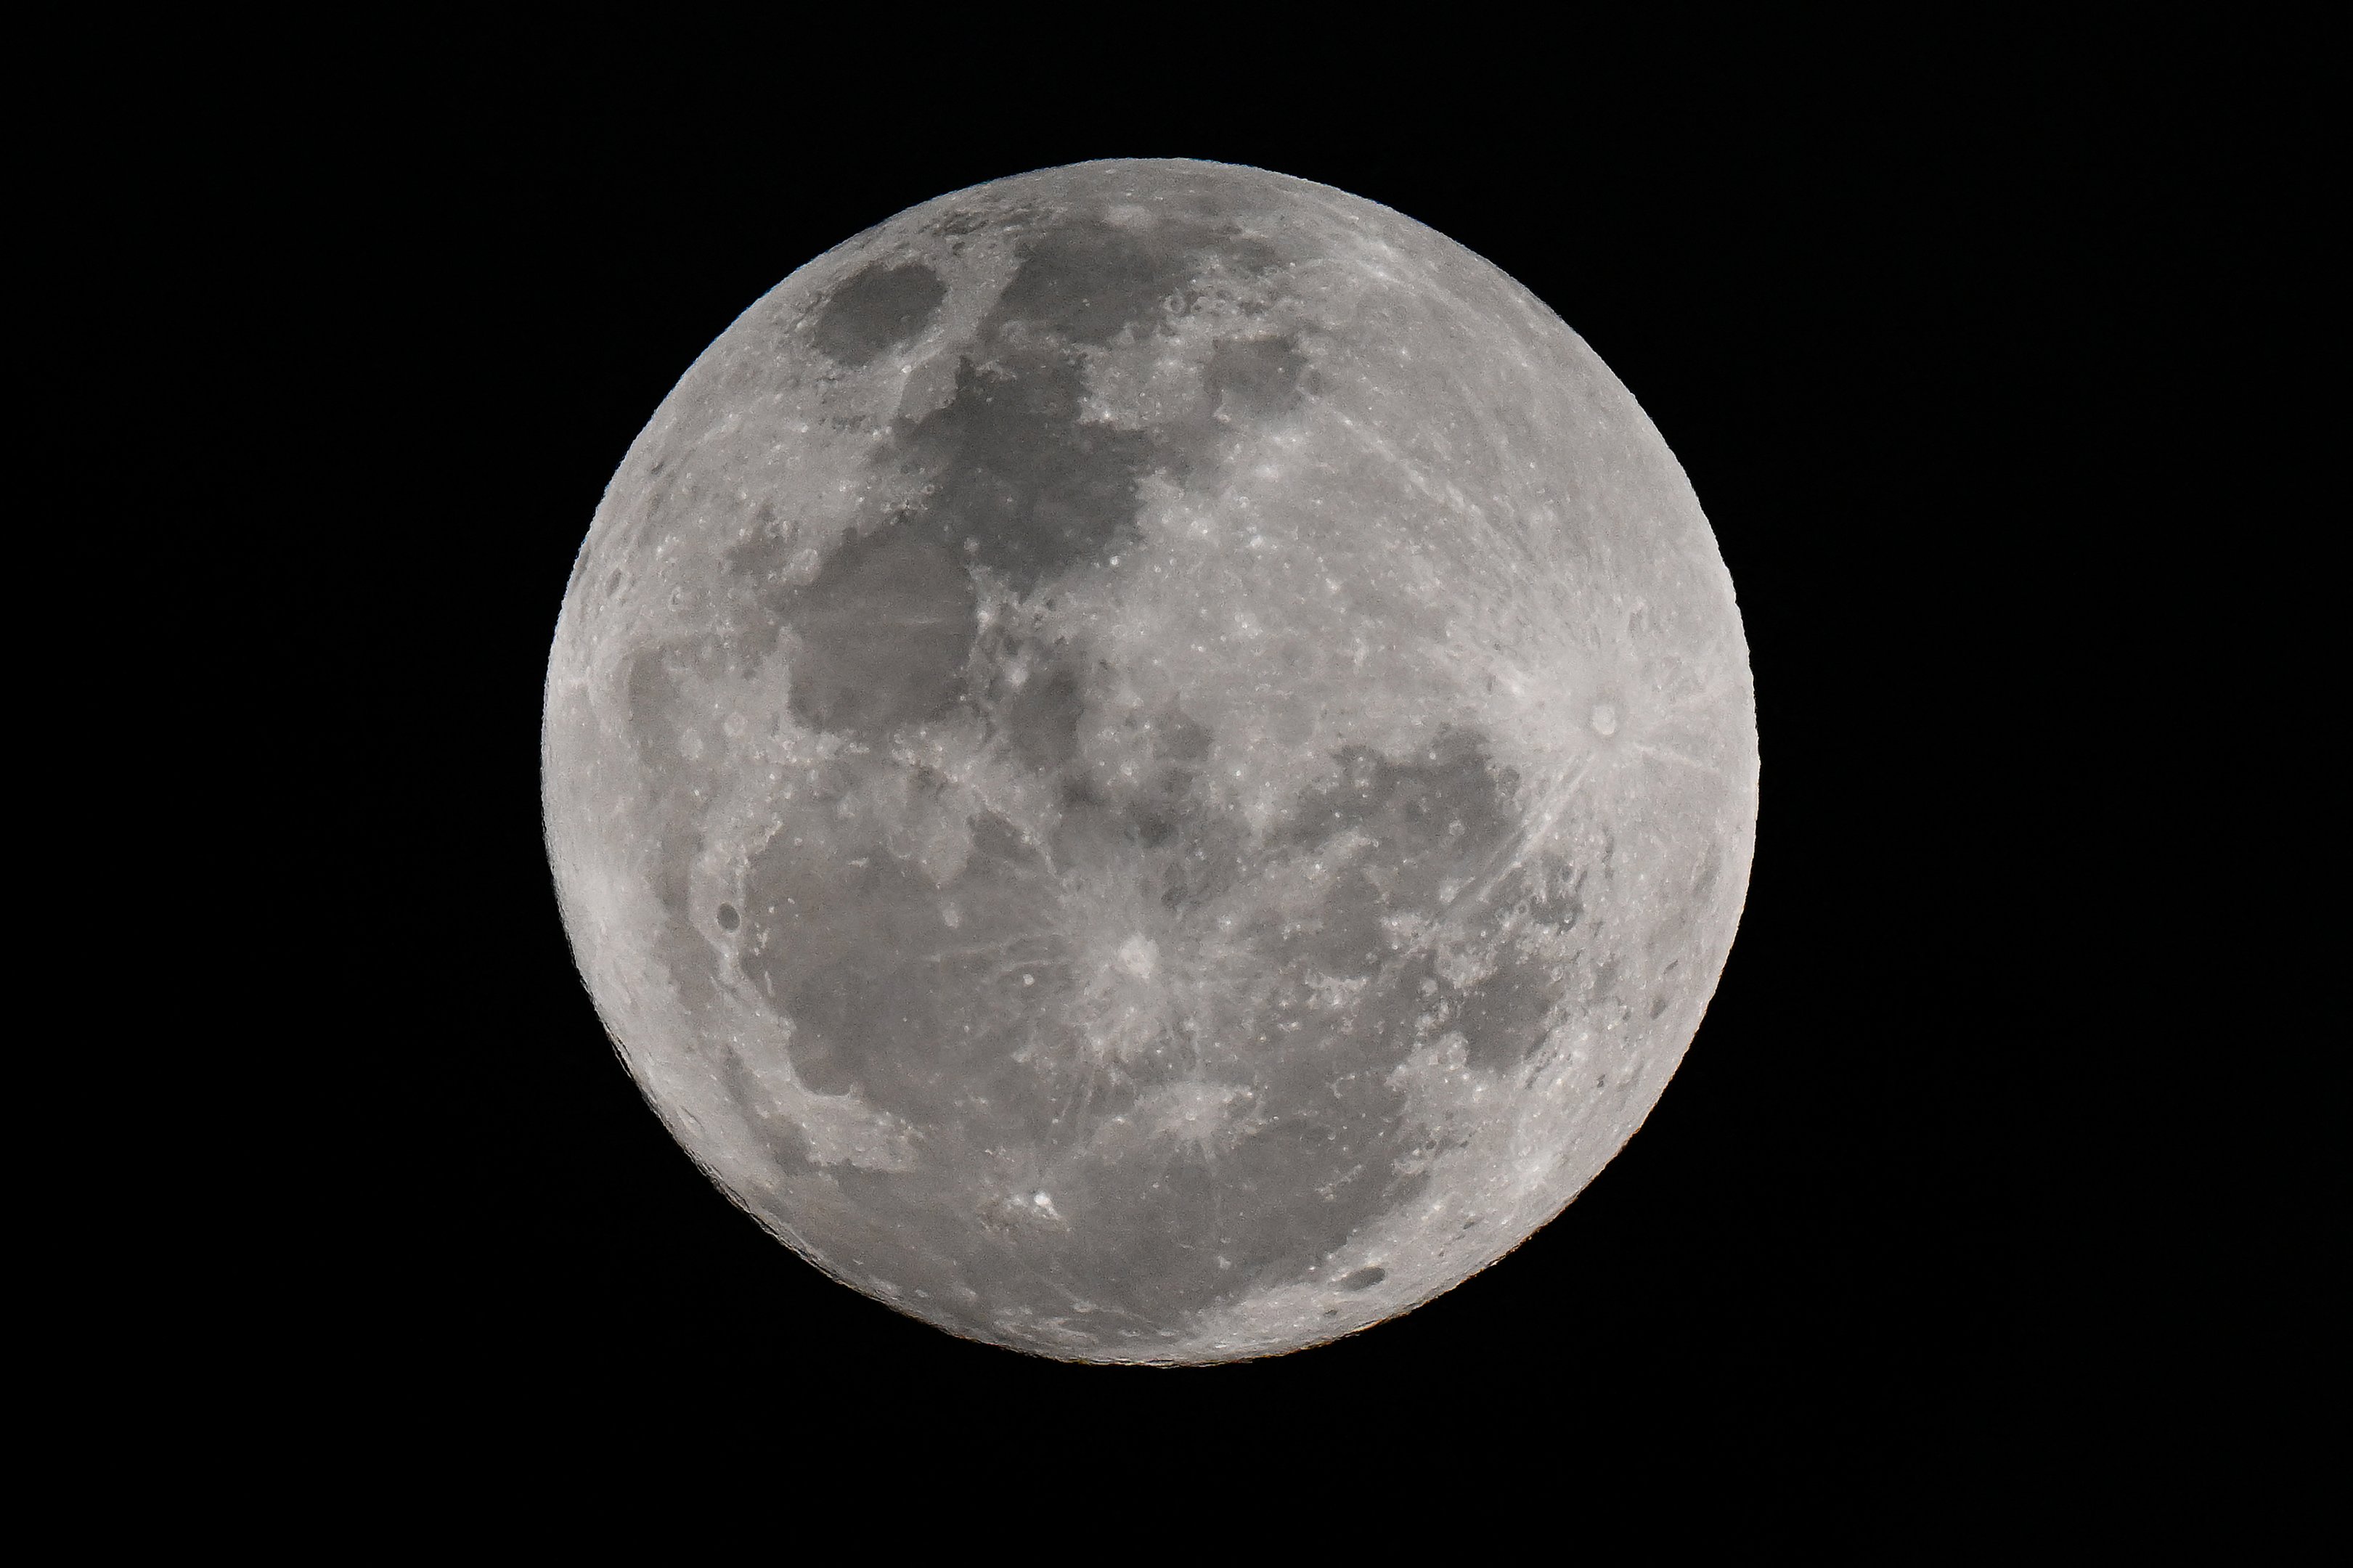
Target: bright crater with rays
{"points": [[1150, 762]]}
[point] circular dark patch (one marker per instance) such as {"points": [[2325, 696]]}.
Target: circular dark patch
{"points": [[880, 307]]}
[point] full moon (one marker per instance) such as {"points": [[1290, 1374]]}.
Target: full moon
{"points": [[1150, 762]]}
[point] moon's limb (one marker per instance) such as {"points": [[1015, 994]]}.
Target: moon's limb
{"points": [[1150, 762]]}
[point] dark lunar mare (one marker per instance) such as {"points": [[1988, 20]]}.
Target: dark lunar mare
{"points": [[1014, 480], [879, 308]]}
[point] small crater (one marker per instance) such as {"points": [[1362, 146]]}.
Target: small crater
{"points": [[1605, 719], [1364, 1278], [728, 919]]}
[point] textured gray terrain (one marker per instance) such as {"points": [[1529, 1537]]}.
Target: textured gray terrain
{"points": [[1150, 762]]}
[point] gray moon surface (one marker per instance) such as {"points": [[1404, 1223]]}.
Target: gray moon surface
{"points": [[1150, 762]]}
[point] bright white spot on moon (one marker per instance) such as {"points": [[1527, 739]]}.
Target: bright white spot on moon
{"points": [[1605, 719]]}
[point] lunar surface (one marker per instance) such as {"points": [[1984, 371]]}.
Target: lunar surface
{"points": [[1151, 762]]}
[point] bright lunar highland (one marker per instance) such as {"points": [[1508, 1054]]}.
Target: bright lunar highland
{"points": [[1151, 762]]}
